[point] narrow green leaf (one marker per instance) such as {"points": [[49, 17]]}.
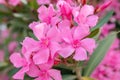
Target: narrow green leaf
{"points": [[99, 54], [94, 33], [69, 77], [103, 21]]}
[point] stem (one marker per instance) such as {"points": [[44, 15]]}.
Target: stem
{"points": [[78, 73]]}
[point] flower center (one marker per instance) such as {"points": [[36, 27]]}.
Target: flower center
{"points": [[44, 43], [44, 73], [76, 43]]}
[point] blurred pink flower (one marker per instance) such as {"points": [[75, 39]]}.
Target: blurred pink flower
{"points": [[12, 46], [14, 2]]}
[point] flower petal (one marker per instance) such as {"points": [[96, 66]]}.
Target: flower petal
{"points": [[88, 44], [16, 59], [20, 74], [81, 32], [80, 54], [92, 20], [87, 10], [55, 74], [66, 52], [54, 47], [33, 71], [41, 57], [38, 30]]}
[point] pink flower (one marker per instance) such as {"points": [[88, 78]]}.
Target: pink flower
{"points": [[49, 75], [18, 62], [46, 14], [46, 73], [86, 16], [14, 2], [47, 43], [75, 41], [12, 46], [64, 9]]}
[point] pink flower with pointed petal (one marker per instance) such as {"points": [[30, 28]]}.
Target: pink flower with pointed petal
{"points": [[48, 42], [46, 14], [65, 9], [18, 62], [46, 73], [86, 16], [49, 75], [75, 41]]}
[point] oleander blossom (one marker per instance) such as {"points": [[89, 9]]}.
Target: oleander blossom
{"points": [[59, 33]]}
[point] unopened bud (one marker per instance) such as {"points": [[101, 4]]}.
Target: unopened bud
{"points": [[104, 6]]}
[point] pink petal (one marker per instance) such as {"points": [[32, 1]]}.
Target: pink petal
{"points": [[20, 74], [16, 59], [51, 11], [81, 32], [38, 30], [52, 33], [66, 52], [48, 65], [66, 34], [29, 44], [31, 25], [88, 44], [33, 71], [55, 20], [43, 2], [41, 57], [87, 10], [92, 20], [64, 23], [55, 74], [42, 10], [54, 47], [80, 54]]}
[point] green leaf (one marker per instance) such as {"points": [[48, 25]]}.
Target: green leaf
{"points": [[69, 77], [33, 4], [103, 21], [99, 54], [94, 33], [13, 71]]}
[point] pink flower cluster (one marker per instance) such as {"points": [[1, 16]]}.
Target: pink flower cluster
{"points": [[61, 31], [109, 69]]}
